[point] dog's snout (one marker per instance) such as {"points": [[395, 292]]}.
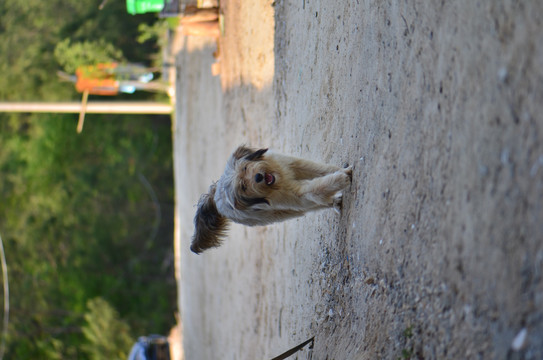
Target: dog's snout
{"points": [[259, 177]]}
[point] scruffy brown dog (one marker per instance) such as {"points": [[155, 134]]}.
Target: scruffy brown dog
{"points": [[259, 187]]}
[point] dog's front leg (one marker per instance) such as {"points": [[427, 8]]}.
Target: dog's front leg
{"points": [[305, 169], [325, 190]]}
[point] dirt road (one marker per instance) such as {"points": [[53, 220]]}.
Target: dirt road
{"points": [[438, 252]]}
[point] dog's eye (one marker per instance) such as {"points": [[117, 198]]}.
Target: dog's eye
{"points": [[243, 187]]}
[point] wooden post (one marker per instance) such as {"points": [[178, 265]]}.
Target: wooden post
{"points": [[82, 113]]}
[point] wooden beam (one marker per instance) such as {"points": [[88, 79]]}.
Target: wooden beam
{"points": [[95, 107]]}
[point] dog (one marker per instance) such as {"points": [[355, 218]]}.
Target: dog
{"points": [[260, 187]]}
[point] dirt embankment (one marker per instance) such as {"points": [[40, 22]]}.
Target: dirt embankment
{"points": [[438, 252]]}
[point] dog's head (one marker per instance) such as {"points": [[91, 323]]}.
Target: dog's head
{"points": [[247, 181], [209, 225]]}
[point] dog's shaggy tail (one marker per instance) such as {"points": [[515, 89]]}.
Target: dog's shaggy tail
{"points": [[209, 225]]}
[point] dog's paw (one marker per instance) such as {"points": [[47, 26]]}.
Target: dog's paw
{"points": [[348, 170], [337, 200], [344, 178]]}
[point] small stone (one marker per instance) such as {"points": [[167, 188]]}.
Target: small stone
{"points": [[502, 74], [520, 340]]}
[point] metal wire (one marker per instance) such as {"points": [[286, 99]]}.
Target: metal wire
{"points": [[6, 299]]}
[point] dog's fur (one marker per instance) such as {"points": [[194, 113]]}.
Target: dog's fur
{"points": [[259, 187]]}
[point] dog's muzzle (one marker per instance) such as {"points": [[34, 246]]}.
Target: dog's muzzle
{"points": [[268, 178]]}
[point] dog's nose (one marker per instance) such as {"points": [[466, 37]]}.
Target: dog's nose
{"points": [[259, 178]]}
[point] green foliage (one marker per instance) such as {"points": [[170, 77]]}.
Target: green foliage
{"points": [[72, 55], [152, 32], [30, 31], [78, 222], [408, 352], [108, 336], [408, 332], [156, 32]]}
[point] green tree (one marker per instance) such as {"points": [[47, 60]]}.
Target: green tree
{"points": [[72, 55], [76, 215], [30, 31], [108, 336], [79, 222]]}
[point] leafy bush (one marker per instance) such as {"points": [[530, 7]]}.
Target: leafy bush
{"points": [[72, 55]]}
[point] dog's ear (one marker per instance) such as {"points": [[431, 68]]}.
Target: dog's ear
{"points": [[248, 153], [256, 155], [209, 225], [242, 151]]}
